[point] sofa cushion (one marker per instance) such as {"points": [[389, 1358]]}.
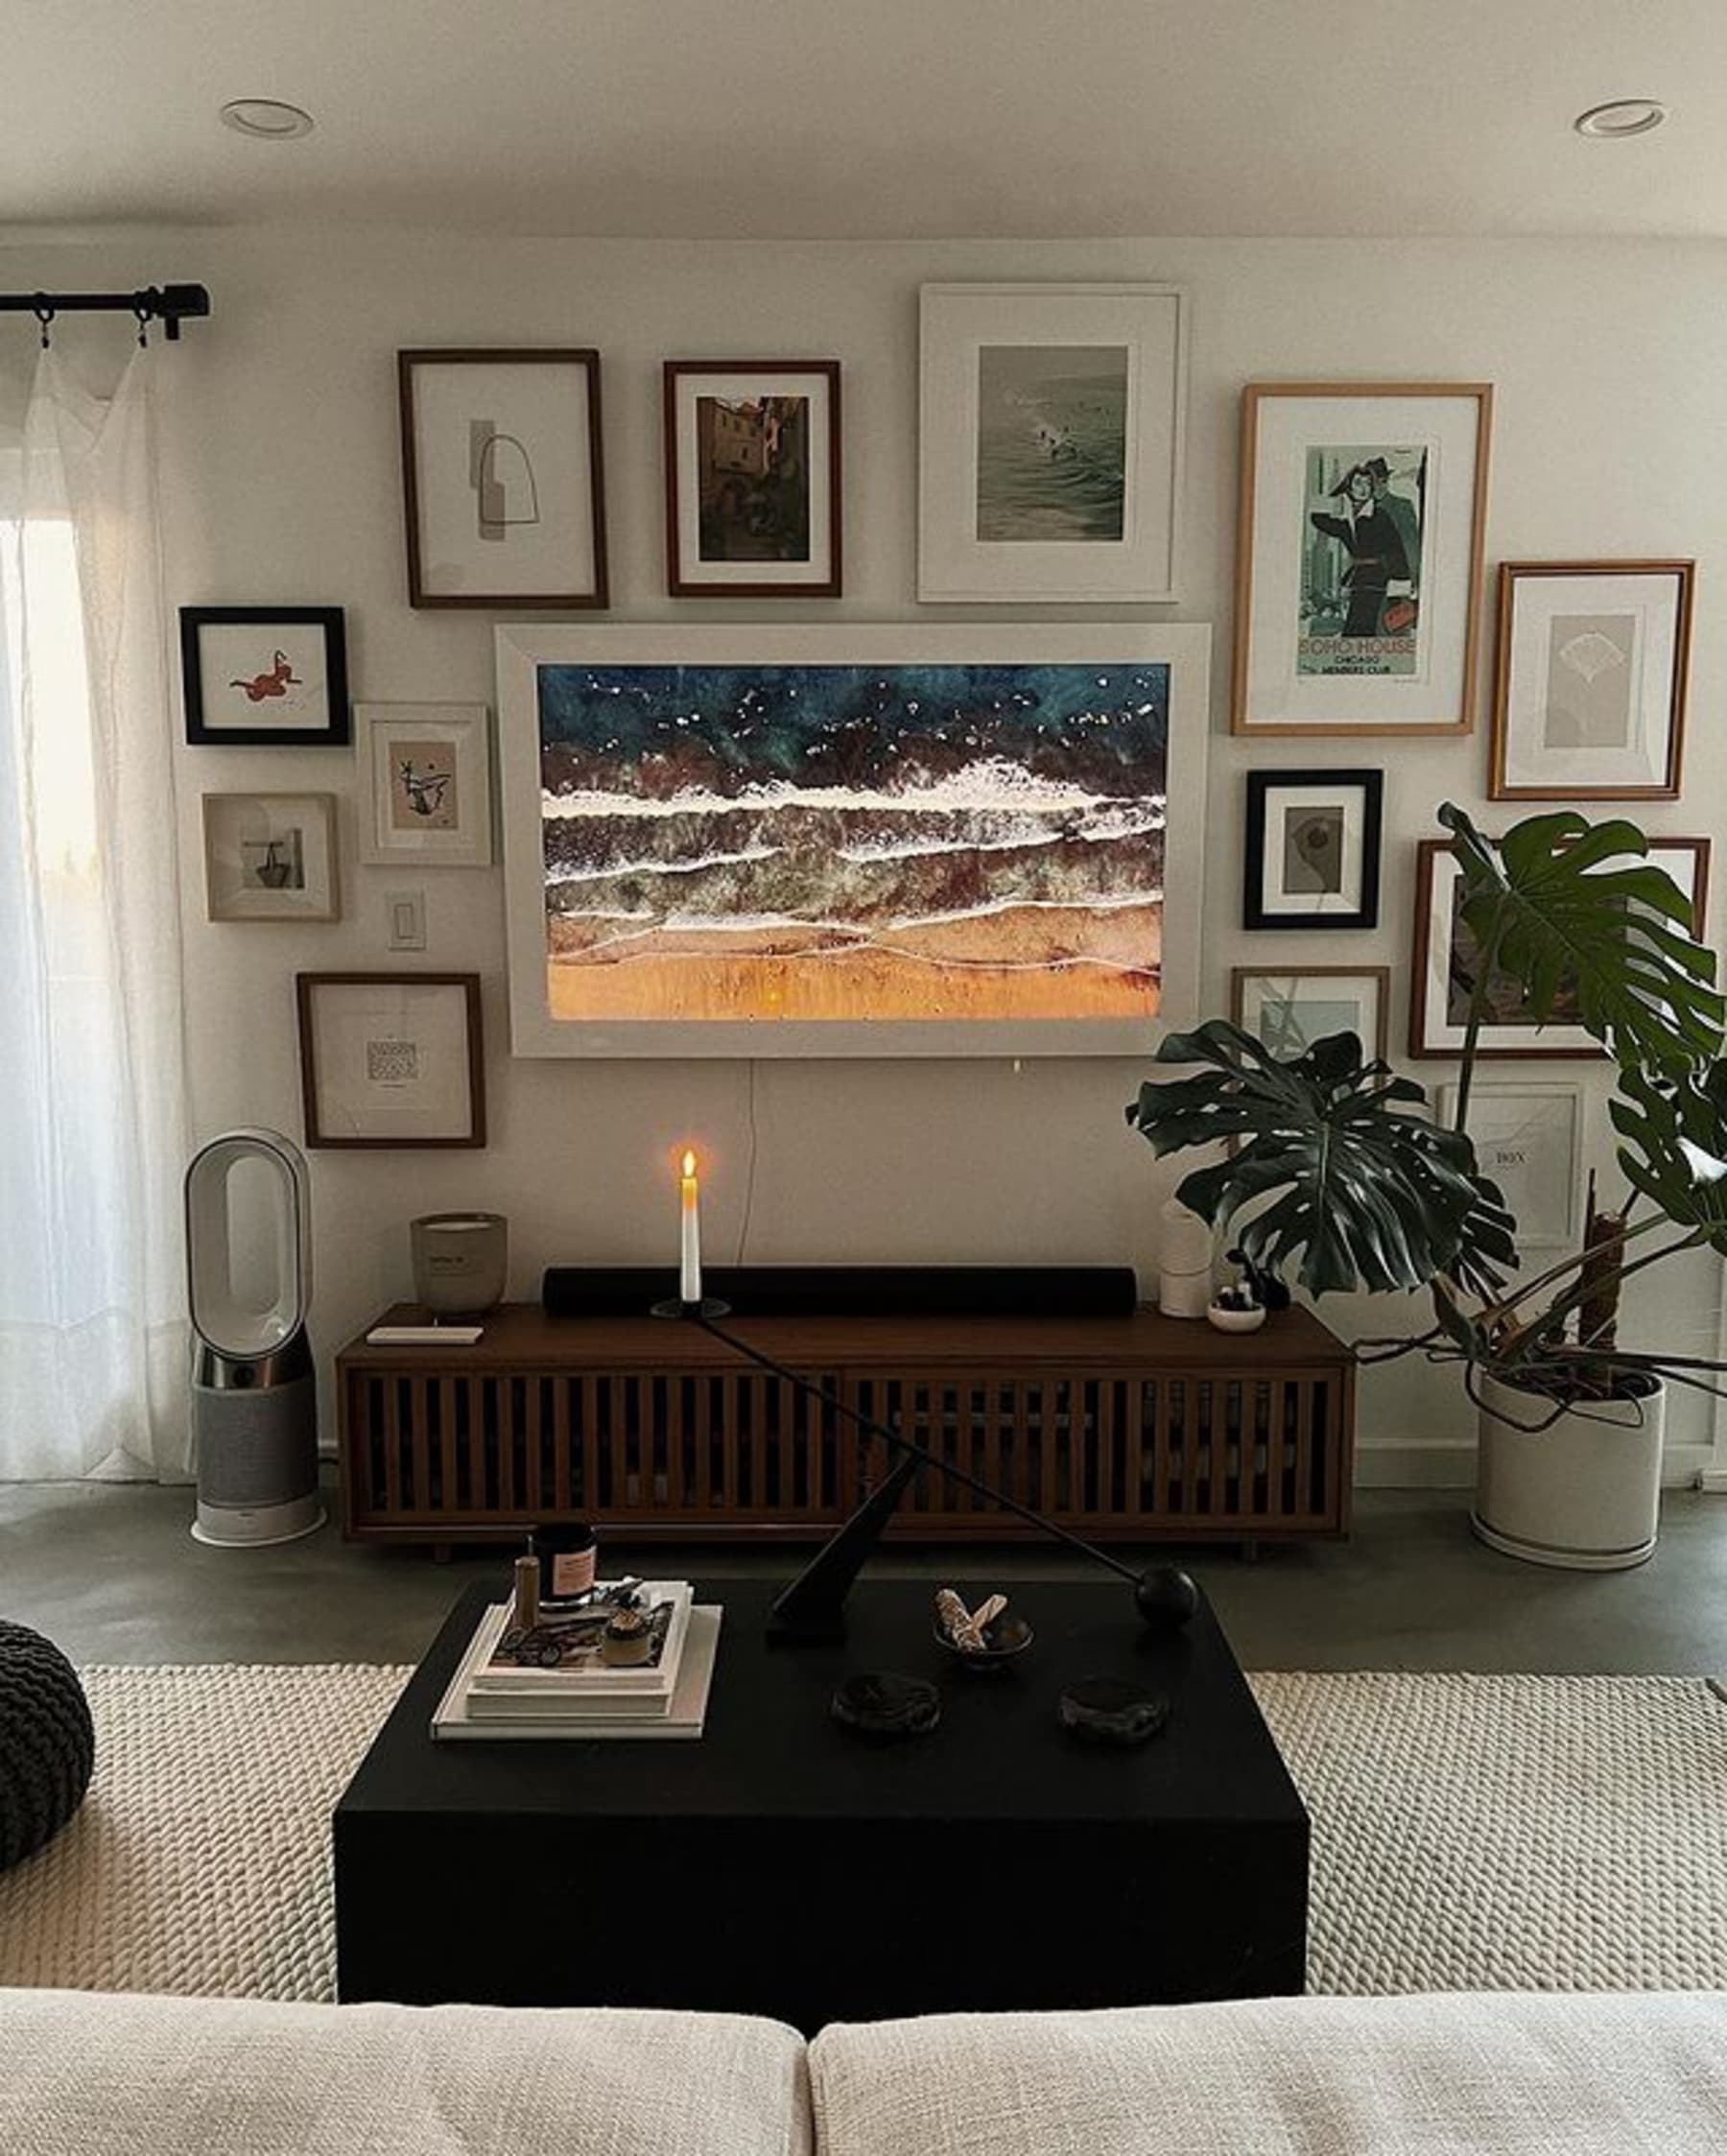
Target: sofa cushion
{"points": [[1490, 2075], [106, 2074]]}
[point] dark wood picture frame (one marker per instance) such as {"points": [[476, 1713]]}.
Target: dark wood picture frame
{"points": [[684, 579], [306, 987], [1370, 784], [201, 732], [581, 357], [1576, 1046], [1380, 975], [1513, 573]]}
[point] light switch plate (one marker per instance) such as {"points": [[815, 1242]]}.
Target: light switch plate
{"points": [[405, 918]]}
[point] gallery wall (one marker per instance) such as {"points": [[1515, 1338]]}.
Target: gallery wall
{"points": [[282, 485]]}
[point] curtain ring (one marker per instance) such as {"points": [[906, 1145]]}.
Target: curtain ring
{"points": [[141, 311], [44, 313]]}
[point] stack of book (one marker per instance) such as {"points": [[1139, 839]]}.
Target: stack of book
{"points": [[554, 1680]]}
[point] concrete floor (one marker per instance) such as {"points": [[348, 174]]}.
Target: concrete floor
{"points": [[109, 1571]]}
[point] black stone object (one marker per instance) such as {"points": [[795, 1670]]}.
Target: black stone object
{"points": [[1111, 1711], [1167, 1597], [47, 1741], [882, 1704]]}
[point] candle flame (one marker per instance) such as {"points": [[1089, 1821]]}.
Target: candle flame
{"points": [[689, 1162]]}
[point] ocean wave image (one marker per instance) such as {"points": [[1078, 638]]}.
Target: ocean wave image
{"points": [[1051, 443], [850, 843]]}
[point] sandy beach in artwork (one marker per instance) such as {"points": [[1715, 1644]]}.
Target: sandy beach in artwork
{"points": [[849, 843], [1029, 962]]}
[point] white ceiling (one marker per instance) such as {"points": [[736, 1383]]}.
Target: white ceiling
{"points": [[869, 118]]}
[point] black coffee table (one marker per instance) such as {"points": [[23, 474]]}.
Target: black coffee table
{"points": [[780, 1865]]}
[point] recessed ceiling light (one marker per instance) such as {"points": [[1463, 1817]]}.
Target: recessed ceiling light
{"points": [[266, 118], [1625, 116]]}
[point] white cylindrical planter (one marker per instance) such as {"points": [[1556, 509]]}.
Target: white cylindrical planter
{"points": [[1583, 1494], [1184, 1263]]}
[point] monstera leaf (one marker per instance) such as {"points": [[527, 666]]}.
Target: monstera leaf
{"points": [[1675, 1149], [1555, 917], [1370, 1196]]}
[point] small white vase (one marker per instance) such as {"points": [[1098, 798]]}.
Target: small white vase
{"points": [[1583, 1494]]}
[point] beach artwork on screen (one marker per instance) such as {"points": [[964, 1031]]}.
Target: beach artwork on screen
{"points": [[845, 842]]}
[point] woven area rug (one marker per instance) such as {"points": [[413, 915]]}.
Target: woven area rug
{"points": [[1470, 1833]]}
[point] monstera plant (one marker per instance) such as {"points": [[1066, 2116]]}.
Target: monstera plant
{"points": [[1328, 1169]]}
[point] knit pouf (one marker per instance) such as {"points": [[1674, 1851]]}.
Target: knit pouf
{"points": [[47, 1742]]}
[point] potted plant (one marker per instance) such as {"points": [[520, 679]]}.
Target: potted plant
{"points": [[1335, 1174]]}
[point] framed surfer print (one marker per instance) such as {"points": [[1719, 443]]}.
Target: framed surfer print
{"points": [[1358, 568], [1051, 425]]}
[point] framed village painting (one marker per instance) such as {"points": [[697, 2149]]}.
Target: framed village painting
{"points": [[1358, 565], [752, 479], [1446, 953], [851, 841], [1051, 429], [1589, 680]]}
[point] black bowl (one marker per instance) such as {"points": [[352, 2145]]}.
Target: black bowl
{"points": [[1006, 1638]]}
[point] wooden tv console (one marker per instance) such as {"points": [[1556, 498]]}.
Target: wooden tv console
{"points": [[1140, 1428]]}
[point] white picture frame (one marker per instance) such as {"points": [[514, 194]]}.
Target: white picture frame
{"points": [[269, 857], [529, 655], [1435, 1027], [1052, 429], [1289, 1008], [1529, 1139], [425, 785], [1370, 500]]}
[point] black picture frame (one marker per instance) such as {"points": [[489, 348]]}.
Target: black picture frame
{"points": [[1370, 786], [208, 726]]}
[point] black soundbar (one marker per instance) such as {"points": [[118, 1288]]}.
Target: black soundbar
{"points": [[851, 1290]]}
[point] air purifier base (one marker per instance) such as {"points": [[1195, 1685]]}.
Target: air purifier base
{"points": [[226, 1527]]}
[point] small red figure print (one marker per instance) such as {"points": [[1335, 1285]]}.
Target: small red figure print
{"points": [[277, 682]]}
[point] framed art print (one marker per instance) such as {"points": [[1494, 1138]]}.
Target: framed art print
{"points": [[1051, 426], [1444, 971], [1290, 1011], [269, 857], [425, 784], [1589, 680], [837, 841], [265, 677], [1529, 1139], [503, 477], [1359, 561], [1312, 852], [752, 479], [391, 1058]]}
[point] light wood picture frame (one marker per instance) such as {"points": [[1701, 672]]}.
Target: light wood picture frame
{"points": [[502, 478], [1590, 665], [425, 785], [1441, 981], [1359, 557], [270, 857], [390, 1060], [1267, 1001], [753, 495]]}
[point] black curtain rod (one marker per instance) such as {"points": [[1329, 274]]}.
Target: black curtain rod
{"points": [[167, 303]]}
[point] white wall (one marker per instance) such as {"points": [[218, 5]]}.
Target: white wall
{"points": [[283, 484]]}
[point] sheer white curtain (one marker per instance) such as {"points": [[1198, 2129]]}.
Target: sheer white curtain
{"points": [[93, 1346]]}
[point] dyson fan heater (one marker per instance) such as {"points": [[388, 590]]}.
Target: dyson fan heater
{"points": [[254, 1392]]}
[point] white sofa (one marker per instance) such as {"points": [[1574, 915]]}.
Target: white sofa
{"points": [[1485, 2074]]}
